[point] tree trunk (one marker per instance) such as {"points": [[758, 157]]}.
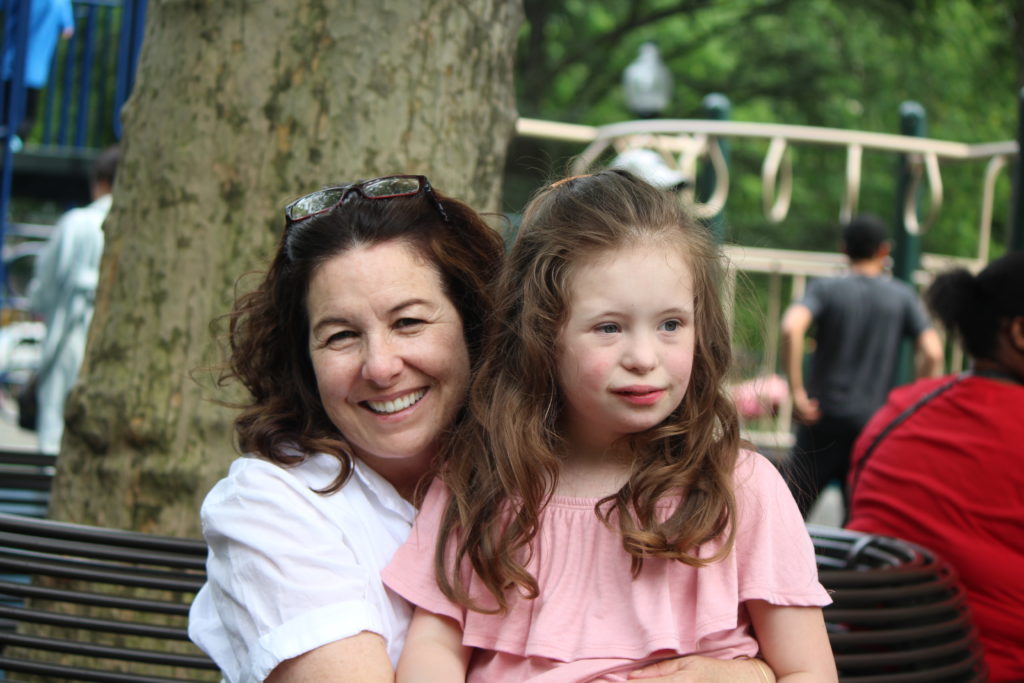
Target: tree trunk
{"points": [[239, 107]]}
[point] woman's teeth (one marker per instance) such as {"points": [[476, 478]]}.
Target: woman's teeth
{"points": [[388, 407]]}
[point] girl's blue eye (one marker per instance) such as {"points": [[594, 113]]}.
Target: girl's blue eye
{"points": [[608, 328], [671, 325]]}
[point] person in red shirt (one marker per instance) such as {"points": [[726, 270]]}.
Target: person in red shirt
{"points": [[941, 464]]}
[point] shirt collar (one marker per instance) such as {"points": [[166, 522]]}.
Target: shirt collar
{"points": [[383, 490]]}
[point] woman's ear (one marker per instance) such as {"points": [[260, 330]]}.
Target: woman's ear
{"points": [[1015, 333]]}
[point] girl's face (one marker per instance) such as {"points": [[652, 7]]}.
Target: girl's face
{"points": [[388, 352], [625, 352]]}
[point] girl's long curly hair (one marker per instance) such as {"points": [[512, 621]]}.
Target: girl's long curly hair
{"points": [[284, 419], [502, 463]]}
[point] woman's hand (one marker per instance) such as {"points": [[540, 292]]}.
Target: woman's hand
{"points": [[706, 669]]}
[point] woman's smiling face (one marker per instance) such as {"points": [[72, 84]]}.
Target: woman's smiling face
{"points": [[388, 353]]}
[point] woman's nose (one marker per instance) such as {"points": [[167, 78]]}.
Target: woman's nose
{"points": [[382, 362]]}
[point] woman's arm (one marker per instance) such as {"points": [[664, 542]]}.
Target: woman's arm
{"points": [[433, 650], [793, 642], [359, 658], [290, 573]]}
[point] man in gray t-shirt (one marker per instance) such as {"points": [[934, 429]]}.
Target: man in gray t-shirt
{"points": [[860, 318]]}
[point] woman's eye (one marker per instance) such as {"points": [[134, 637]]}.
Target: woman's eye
{"points": [[341, 336], [408, 322], [607, 328]]}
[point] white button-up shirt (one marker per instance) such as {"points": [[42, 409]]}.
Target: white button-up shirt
{"points": [[290, 569]]}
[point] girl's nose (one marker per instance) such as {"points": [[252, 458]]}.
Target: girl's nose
{"points": [[382, 362], [640, 355]]}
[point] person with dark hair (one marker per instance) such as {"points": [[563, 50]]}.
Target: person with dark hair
{"points": [[596, 514], [860, 319], [101, 176], [940, 464], [355, 350], [62, 290]]}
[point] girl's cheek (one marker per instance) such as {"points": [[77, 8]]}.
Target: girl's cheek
{"points": [[598, 372]]}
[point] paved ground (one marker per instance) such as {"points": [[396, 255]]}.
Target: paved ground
{"points": [[10, 433], [828, 511]]}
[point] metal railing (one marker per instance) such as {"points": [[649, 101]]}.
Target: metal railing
{"points": [[684, 143], [90, 77], [93, 74]]}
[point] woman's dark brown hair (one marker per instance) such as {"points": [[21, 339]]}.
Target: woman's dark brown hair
{"points": [[284, 420], [503, 461]]}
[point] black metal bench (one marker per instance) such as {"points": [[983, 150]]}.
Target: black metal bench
{"points": [[898, 613], [116, 602], [25, 480], [91, 604]]}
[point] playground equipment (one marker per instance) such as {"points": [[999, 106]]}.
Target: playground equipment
{"points": [[684, 142], [91, 77]]}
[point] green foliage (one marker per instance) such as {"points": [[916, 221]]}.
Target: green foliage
{"points": [[835, 63]]}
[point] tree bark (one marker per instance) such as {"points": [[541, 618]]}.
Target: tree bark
{"points": [[239, 107]]}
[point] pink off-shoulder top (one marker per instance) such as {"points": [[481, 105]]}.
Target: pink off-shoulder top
{"points": [[592, 620]]}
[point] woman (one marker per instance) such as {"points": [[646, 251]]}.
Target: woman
{"points": [[940, 464], [356, 350]]}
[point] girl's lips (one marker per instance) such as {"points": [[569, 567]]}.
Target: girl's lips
{"points": [[640, 395]]}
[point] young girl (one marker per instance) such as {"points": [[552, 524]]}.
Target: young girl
{"points": [[595, 513]]}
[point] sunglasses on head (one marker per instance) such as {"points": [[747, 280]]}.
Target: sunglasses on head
{"points": [[388, 187]]}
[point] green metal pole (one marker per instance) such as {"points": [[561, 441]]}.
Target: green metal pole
{"points": [[1017, 226], [715, 106], [906, 253]]}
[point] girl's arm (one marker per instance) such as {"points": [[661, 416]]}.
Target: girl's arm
{"points": [[706, 670], [793, 642], [433, 650]]}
